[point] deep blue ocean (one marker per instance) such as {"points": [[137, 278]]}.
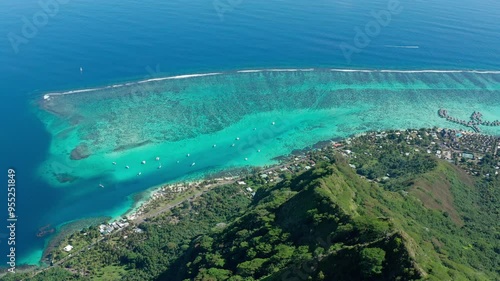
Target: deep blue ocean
{"points": [[125, 40]]}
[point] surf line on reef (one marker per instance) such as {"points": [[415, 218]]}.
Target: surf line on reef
{"points": [[187, 76]]}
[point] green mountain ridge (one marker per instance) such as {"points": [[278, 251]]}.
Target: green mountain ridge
{"points": [[329, 224]]}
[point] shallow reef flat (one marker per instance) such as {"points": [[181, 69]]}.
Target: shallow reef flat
{"points": [[246, 117]]}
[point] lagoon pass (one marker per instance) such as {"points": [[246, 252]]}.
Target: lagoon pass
{"points": [[196, 123]]}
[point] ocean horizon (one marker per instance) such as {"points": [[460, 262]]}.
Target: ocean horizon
{"points": [[258, 55]]}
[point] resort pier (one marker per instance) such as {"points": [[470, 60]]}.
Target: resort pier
{"points": [[476, 120]]}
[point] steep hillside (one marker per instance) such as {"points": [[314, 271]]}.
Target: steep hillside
{"points": [[330, 224]]}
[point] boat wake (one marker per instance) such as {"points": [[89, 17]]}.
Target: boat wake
{"points": [[402, 47]]}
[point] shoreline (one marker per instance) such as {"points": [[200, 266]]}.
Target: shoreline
{"points": [[148, 196], [144, 199]]}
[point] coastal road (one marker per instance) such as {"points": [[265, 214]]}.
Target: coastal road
{"points": [[168, 207], [198, 193]]}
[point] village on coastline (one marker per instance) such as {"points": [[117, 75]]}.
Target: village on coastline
{"points": [[465, 149]]}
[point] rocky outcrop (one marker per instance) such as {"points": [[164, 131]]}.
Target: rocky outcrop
{"points": [[80, 152]]}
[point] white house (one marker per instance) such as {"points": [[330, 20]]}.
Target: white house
{"points": [[68, 248]]}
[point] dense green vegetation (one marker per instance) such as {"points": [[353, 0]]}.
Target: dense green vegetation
{"points": [[426, 220], [309, 221]]}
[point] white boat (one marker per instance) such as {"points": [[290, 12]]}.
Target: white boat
{"points": [[188, 155], [273, 123], [193, 164], [127, 167], [246, 159], [114, 163], [238, 138], [214, 145], [157, 158], [232, 144], [258, 150], [143, 162], [101, 185], [159, 167], [139, 174]]}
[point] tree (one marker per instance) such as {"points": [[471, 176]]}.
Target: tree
{"points": [[372, 260], [250, 268], [213, 274]]}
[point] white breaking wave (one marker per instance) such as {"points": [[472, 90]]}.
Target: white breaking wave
{"points": [[351, 70], [47, 96], [485, 72], [288, 69], [416, 71], [186, 76], [250, 71], [422, 71], [179, 77], [276, 70], [75, 91]]}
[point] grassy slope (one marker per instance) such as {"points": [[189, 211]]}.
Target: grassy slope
{"points": [[429, 234], [433, 218]]}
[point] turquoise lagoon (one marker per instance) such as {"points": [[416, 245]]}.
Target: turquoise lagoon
{"points": [[198, 124]]}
